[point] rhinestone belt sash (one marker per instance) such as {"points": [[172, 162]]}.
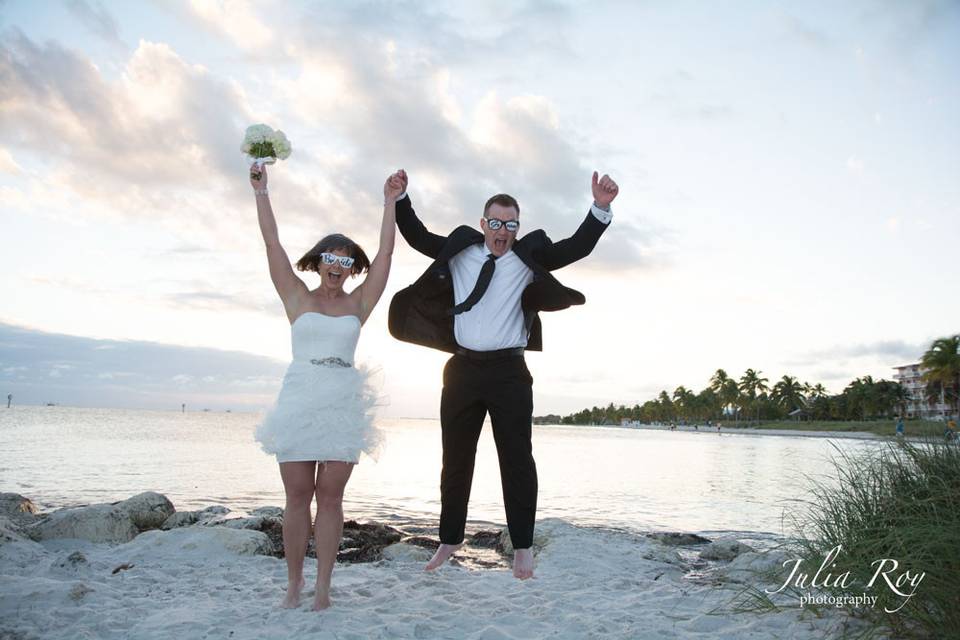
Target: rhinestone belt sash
{"points": [[330, 362]]}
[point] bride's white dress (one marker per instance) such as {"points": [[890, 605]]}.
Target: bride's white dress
{"points": [[325, 408]]}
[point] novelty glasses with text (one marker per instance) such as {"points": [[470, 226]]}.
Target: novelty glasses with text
{"points": [[330, 258], [496, 223]]}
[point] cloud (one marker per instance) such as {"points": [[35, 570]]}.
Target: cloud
{"points": [[804, 33], [236, 20], [855, 164], [130, 146], [898, 350], [97, 19], [43, 367], [390, 106]]}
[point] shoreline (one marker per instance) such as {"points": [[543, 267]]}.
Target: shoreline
{"points": [[800, 433]]}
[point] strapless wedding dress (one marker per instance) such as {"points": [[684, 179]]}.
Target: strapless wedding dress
{"points": [[325, 408]]}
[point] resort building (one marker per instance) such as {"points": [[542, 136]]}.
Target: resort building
{"points": [[910, 377]]}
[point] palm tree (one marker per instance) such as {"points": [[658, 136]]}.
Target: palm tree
{"points": [[788, 393], [753, 386], [725, 389], [816, 391], [942, 364], [730, 396], [666, 405], [684, 400]]}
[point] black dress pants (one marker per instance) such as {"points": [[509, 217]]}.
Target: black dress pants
{"points": [[504, 388]]}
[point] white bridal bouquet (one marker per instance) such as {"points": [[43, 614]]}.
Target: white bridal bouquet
{"points": [[263, 145]]}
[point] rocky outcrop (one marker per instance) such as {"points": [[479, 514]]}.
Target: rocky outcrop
{"points": [[147, 510], [196, 541], [117, 522], [405, 552], [96, 523], [505, 545], [678, 539], [365, 542], [724, 550], [9, 531], [16, 506]]}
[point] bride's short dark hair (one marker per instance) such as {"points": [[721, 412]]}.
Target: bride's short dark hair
{"points": [[311, 259]]}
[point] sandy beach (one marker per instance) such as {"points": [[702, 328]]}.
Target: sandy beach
{"points": [[852, 435], [213, 582]]}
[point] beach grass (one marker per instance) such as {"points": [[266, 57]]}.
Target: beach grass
{"points": [[900, 502]]}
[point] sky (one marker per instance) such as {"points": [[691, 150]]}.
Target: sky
{"points": [[789, 195]]}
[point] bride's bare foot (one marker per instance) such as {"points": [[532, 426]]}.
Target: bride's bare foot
{"points": [[444, 551], [523, 563], [292, 599], [321, 600]]}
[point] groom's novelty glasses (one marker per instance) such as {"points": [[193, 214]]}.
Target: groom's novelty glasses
{"points": [[330, 258], [496, 223]]}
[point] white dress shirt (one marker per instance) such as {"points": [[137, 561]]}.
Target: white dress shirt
{"points": [[496, 321]]}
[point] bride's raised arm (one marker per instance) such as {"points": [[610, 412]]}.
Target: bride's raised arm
{"points": [[376, 280], [290, 288]]}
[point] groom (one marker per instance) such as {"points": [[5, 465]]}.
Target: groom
{"points": [[479, 300]]}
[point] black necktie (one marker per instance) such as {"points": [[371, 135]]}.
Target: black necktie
{"points": [[483, 281]]}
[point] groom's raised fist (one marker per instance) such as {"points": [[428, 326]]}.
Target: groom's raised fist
{"points": [[604, 190]]}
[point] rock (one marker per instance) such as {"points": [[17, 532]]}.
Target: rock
{"points": [[404, 552], [484, 539], [268, 512], [96, 523], [505, 545], [255, 523], [427, 543], [212, 516], [10, 531], [72, 562], [179, 519], [660, 553], [200, 542], [14, 506], [678, 539], [757, 568], [724, 550], [365, 542], [148, 510]]}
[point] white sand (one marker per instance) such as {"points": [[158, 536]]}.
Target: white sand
{"points": [[193, 583]]}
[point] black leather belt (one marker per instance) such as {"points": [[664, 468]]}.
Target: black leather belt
{"points": [[489, 355]]}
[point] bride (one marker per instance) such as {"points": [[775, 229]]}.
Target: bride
{"points": [[323, 416]]}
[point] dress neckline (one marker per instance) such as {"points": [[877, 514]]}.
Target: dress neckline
{"points": [[349, 315]]}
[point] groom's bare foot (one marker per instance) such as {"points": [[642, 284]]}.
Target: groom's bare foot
{"points": [[444, 551], [292, 599], [523, 563]]}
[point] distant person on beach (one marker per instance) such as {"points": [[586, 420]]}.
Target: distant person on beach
{"points": [[323, 416], [950, 433], [900, 426], [9, 399], [480, 300]]}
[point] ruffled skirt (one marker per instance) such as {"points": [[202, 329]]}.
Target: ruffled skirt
{"points": [[322, 413]]}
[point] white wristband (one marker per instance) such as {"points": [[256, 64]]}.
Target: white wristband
{"points": [[261, 192]]}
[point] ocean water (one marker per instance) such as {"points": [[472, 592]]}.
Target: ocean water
{"points": [[632, 479]]}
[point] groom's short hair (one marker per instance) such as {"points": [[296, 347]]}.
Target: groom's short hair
{"points": [[503, 200]]}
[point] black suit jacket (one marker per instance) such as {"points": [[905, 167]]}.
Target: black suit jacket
{"points": [[419, 313]]}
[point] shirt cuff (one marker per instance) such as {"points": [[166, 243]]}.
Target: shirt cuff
{"points": [[401, 196], [603, 216]]}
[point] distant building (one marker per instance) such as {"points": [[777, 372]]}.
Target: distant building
{"points": [[910, 377]]}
